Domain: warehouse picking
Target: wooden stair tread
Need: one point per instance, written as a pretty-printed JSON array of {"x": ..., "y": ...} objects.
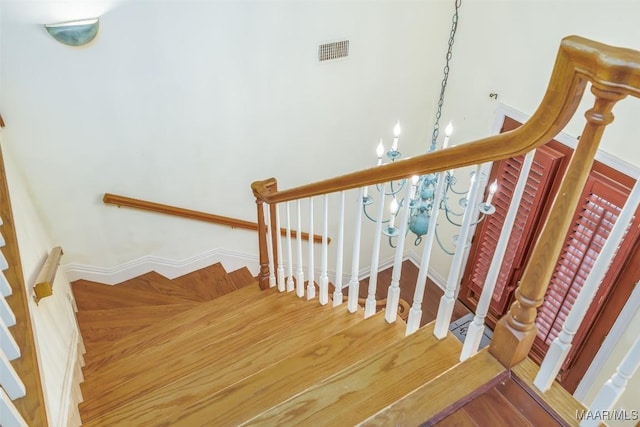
[
  {"x": 106, "y": 326},
  {"x": 199, "y": 336},
  {"x": 211, "y": 369},
  {"x": 369, "y": 386},
  {"x": 209, "y": 283},
  {"x": 432, "y": 398},
  {"x": 103, "y": 354},
  {"x": 242, "y": 277},
  {"x": 97, "y": 296},
  {"x": 156, "y": 282},
  {"x": 237, "y": 403}
]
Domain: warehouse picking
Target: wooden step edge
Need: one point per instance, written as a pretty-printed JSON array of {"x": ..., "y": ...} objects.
[
  {"x": 376, "y": 382},
  {"x": 556, "y": 400},
  {"x": 444, "y": 394}
]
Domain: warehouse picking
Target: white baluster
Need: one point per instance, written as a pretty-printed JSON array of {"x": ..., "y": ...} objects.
[
  {"x": 5, "y": 287},
  {"x": 354, "y": 283},
  {"x": 6, "y": 314},
  {"x": 559, "y": 348},
  {"x": 280, "y": 278},
  {"x": 9, "y": 415},
  {"x": 476, "y": 327},
  {"x": 272, "y": 264},
  {"x": 337, "y": 293},
  {"x": 448, "y": 300},
  {"x": 323, "y": 281},
  {"x": 609, "y": 394},
  {"x": 393, "y": 294},
  {"x": 300, "y": 273},
  {"x": 370, "y": 304},
  {"x": 9, "y": 379},
  {"x": 8, "y": 344},
  {"x": 290, "y": 280},
  {"x": 415, "y": 313},
  {"x": 311, "y": 288}
]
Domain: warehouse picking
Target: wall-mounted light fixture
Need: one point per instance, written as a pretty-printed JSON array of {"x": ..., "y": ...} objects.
[{"x": 74, "y": 33}]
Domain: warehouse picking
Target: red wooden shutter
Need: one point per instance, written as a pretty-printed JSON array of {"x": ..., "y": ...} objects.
[
  {"x": 543, "y": 171},
  {"x": 602, "y": 200}
]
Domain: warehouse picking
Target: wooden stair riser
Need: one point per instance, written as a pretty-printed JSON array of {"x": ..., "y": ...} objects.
[
  {"x": 209, "y": 282},
  {"x": 154, "y": 335},
  {"x": 242, "y": 277},
  {"x": 158, "y": 284},
  {"x": 290, "y": 376},
  {"x": 371, "y": 385},
  {"x": 96, "y": 296},
  {"x": 199, "y": 338},
  {"x": 240, "y": 357}
]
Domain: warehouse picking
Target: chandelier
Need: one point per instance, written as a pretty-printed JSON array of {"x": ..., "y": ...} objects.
[{"x": 430, "y": 191}]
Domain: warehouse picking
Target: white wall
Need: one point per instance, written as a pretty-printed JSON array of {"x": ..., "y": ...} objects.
[
  {"x": 53, "y": 319},
  {"x": 186, "y": 103}
]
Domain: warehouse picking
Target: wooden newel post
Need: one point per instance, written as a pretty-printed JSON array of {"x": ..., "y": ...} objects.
[
  {"x": 260, "y": 190},
  {"x": 515, "y": 332}
]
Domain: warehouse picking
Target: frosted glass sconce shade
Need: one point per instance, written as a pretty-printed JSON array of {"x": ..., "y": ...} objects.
[{"x": 74, "y": 33}]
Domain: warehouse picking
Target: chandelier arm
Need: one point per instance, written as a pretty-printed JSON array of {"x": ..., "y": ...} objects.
[
  {"x": 440, "y": 243},
  {"x": 391, "y": 243},
  {"x": 459, "y": 193},
  {"x": 446, "y": 214},
  {"x": 364, "y": 209}
]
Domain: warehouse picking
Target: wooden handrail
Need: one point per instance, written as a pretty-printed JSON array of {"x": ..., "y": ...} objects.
[
  {"x": 191, "y": 214},
  {"x": 44, "y": 281},
  {"x": 614, "y": 73}
]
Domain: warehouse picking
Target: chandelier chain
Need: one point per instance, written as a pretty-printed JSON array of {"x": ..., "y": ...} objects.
[{"x": 445, "y": 77}]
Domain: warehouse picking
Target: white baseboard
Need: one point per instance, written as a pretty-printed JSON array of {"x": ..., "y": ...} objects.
[{"x": 231, "y": 260}]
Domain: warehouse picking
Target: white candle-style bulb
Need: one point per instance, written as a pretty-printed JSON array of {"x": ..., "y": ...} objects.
[
  {"x": 447, "y": 134},
  {"x": 448, "y": 130},
  {"x": 492, "y": 190},
  {"x": 396, "y": 134},
  {"x": 365, "y": 193},
  {"x": 394, "y": 211},
  {"x": 380, "y": 152}
]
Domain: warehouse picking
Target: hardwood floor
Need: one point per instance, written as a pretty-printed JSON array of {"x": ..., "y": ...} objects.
[
  {"x": 505, "y": 404},
  {"x": 408, "y": 279}
]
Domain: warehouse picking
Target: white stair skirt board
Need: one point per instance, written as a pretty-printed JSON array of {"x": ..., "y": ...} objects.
[
  {"x": 231, "y": 260},
  {"x": 459, "y": 329}
]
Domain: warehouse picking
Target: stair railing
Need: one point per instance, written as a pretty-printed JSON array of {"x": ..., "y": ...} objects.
[
  {"x": 614, "y": 73},
  {"x": 21, "y": 394}
]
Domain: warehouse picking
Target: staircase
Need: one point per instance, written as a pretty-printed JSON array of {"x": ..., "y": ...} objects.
[{"x": 211, "y": 348}]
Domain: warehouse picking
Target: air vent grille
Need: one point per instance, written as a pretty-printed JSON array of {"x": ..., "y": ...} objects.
[{"x": 333, "y": 50}]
